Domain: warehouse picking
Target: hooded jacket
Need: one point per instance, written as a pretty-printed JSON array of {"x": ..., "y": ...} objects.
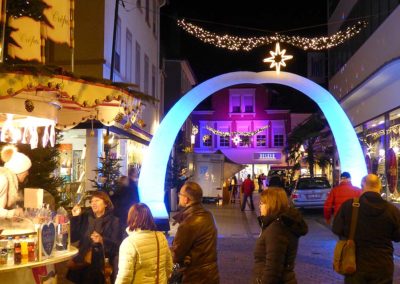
[
  {"x": 196, "y": 240},
  {"x": 378, "y": 225},
  {"x": 276, "y": 248},
  {"x": 138, "y": 258}
]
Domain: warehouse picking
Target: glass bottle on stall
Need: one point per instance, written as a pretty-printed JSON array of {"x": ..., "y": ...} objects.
[
  {"x": 17, "y": 251},
  {"x": 31, "y": 249},
  {"x": 10, "y": 250},
  {"x": 24, "y": 250}
]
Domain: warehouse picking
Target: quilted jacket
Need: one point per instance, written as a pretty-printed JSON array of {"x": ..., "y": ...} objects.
[{"x": 138, "y": 258}]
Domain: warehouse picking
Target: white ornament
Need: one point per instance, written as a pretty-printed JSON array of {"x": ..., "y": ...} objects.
[{"x": 278, "y": 58}]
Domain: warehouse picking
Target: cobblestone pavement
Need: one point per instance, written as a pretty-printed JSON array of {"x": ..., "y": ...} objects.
[{"x": 238, "y": 232}]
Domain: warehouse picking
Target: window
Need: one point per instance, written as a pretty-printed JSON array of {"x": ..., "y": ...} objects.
[
  {"x": 153, "y": 81},
  {"x": 154, "y": 18},
  {"x": 117, "y": 55},
  {"x": 207, "y": 140},
  {"x": 148, "y": 12},
  {"x": 235, "y": 102},
  {"x": 241, "y": 100},
  {"x": 246, "y": 141},
  {"x": 248, "y": 103},
  {"x": 278, "y": 140},
  {"x": 146, "y": 74},
  {"x": 261, "y": 140},
  {"x": 224, "y": 141},
  {"x": 128, "y": 63},
  {"x": 137, "y": 65}
]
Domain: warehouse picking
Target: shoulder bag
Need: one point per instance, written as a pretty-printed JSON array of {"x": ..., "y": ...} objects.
[{"x": 344, "y": 258}]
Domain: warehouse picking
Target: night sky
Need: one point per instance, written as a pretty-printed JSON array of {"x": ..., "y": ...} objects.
[{"x": 243, "y": 18}]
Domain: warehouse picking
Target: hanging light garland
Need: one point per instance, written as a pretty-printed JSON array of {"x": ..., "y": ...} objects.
[
  {"x": 237, "y": 43},
  {"x": 235, "y": 133}
]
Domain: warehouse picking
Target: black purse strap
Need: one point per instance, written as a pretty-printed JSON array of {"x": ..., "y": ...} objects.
[
  {"x": 354, "y": 216},
  {"x": 158, "y": 260}
]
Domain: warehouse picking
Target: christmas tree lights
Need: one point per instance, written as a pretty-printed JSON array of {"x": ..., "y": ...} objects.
[{"x": 237, "y": 43}]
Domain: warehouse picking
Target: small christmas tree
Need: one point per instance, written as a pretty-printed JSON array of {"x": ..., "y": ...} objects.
[{"x": 108, "y": 174}]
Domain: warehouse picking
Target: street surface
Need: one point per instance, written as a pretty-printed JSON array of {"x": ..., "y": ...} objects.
[{"x": 238, "y": 232}]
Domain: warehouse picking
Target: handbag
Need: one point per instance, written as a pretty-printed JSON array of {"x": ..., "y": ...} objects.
[
  {"x": 344, "y": 257},
  {"x": 176, "y": 275}
]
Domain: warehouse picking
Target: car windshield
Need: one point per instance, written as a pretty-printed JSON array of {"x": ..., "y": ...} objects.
[{"x": 313, "y": 183}]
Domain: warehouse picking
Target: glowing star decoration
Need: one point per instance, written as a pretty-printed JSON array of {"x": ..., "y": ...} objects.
[
  {"x": 278, "y": 58},
  {"x": 236, "y": 139}
]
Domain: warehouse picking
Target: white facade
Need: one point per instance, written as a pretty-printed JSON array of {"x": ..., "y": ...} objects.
[{"x": 367, "y": 85}]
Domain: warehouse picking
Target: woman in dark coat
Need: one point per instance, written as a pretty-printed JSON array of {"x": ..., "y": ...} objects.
[
  {"x": 96, "y": 230},
  {"x": 276, "y": 248}
]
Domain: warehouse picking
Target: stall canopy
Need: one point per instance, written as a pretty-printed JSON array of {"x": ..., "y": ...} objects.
[
  {"x": 32, "y": 100},
  {"x": 230, "y": 167}
]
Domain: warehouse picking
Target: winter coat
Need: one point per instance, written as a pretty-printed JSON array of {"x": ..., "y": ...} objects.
[
  {"x": 196, "y": 240},
  {"x": 276, "y": 248},
  {"x": 138, "y": 258},
  {"x": 8, "y": 192},
  {"x": 378, "y": 225},
  {"x": 122, "y": 200},
  {"x": 82, "y": 227},
  {"x": 339, "y": 194},
  {"x": 248, "y": 186}
]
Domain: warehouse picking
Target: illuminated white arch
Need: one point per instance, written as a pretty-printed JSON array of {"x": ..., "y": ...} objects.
[{"x": 152, "y": 175}]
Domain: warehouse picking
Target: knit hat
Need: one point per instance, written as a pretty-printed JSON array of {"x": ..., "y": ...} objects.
[
  {"x": 14, "y": 160},
  {"x": 345, "y": 175}
]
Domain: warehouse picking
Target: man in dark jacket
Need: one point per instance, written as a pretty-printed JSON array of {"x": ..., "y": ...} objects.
[
  {"x": 195, "y": 242},
  {"x": 378, "y": 225}
]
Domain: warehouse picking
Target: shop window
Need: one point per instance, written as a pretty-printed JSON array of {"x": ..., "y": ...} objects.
[
  {"x": 224, "y": 141},
  {"x": 278, "y": 140},
  {"x": 261, "y": 140},
  {"x": 245, "y": 141}
]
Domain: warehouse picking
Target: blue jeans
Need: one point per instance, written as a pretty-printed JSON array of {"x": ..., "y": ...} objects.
[{"x": 245, "y": 196}]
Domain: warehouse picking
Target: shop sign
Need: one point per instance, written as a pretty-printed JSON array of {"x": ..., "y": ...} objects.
[{"x": 267, "y": 156}]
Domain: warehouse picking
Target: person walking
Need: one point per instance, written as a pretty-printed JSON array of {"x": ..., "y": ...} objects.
[
  {"x": 247, "y": 190},
  {"x": 377, "y": 226},
  {"x": 276, "y": 248},
  {"x": 195, "y": 243},
  {"x": 144, "y": 256},
  {"x": 339, "y": 194}
]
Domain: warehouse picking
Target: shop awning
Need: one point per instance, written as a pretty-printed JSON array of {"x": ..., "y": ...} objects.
[{"x": 66, "y": 101}]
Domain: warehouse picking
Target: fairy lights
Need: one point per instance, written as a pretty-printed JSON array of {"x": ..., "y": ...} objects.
[
  {"x": 237, "y": 43},
  {"x": 235, "y": 133},
  {"x": 278, "y": 58}
]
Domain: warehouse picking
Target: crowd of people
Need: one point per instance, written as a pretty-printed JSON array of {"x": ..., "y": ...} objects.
[{"x": 119, "y": 242}]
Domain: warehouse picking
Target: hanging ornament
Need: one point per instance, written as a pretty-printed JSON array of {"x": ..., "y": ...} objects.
[
  {"x": 118, "y": 118},
  {"x": 91, "y": 134},
  {"x": 206, "y": 138},
  {"x": 277, "y": 58},
  {"x": 46, "y": 136},
  {"x": 29, "y": 106},
  {"x": 127, "y": 125},
  {"x": 141, "y": 123},
  {"x": 236, "y": 140},
  {"x": 195, "y": 129}
]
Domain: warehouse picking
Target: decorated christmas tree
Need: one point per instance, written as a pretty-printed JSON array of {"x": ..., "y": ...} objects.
[{"x": 108, "y": 174}]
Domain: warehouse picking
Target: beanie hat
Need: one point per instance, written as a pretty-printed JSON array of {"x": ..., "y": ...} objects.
[
  {"x": 14, "y": 160},
  {"x": 345, "y": 175}
]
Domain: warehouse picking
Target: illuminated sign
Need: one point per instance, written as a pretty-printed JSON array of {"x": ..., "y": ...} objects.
[{"x": 267, "y": 156}]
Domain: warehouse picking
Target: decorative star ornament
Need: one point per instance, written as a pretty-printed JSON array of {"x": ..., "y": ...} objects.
[
  {"x": 236, "y": 139},
  {"x": 278, "y": 58}
]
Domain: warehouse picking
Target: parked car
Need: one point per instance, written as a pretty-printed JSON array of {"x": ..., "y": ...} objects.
[{"x": 310, "y": 192}]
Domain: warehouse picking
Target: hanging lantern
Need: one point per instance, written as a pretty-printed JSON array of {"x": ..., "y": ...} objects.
[{"x": 29, "y": 106}]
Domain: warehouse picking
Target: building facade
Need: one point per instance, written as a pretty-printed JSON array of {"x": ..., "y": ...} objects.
[
  {"x": 363, "y": 76},
  {"x": 136, "y": 62}
]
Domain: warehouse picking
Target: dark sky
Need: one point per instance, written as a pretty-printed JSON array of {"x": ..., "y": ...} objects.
[{"x": 242, "y": 18}]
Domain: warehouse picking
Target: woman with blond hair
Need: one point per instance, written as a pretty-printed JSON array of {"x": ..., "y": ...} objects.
[
  {"x": 144, "y": 256},
  {"x": 276, "y": 248}
]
